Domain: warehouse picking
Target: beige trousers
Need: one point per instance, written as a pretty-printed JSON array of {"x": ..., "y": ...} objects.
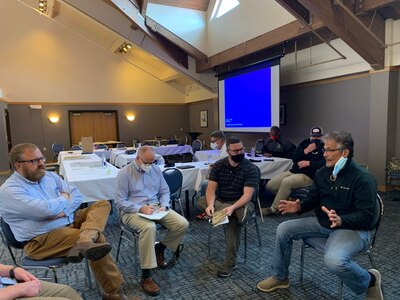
[
  {"x": 176, "y": 228},
  {"x": 282, "y": 184},
  {"x": 58, "y": 242},
  {"x": 54, "y": 291}
]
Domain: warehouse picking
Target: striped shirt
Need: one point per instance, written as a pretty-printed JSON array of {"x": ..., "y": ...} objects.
[{"x": 232, "y": 180}]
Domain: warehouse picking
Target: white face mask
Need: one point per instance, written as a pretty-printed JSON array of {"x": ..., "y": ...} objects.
[
  {"x": 213, "y": 146},
  {"x": 339, "y": 165},
  {"x": 145, "y": 168}
]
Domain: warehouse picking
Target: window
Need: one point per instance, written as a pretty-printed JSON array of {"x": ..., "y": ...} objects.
[{"x": 222, "y": 7}]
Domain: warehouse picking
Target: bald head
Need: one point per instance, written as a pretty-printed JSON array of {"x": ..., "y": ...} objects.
[{"x": 145, "y": 155}]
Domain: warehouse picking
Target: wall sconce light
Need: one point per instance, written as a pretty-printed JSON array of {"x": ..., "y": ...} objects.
[
  {"x": 130, "y": 117},
  {"x": 124, "y": 48},
  {"x": 54, "y": 119},
  {"x": 42, "y": 6}
]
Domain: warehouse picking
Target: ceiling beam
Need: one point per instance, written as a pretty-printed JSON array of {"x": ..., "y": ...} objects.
[
  {"x": 262, "y": 42},
  {"x": 362, "y": 6},
  {"x": 143, "y": 10},
  {"x": 296, "y": 9},
  {"x": 345, "y": 25},
  {"x": 176, "y": 40},
  {"x": 191, "y": 4},
  {"x": 131, "y": 11}
]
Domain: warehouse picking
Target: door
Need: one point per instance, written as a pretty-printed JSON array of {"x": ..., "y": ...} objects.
[{"x": 102, "y": 126}]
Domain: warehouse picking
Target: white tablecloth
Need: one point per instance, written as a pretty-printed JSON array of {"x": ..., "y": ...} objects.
[
  {"x": 270, "y": 167},
  {"x": 120, "y": 159},
  {"x": 85, "y": 172},
  {"x": 207, "y": 155},
  {"x": 173, "y": 149},
  {"x": 192, "y": 177}
]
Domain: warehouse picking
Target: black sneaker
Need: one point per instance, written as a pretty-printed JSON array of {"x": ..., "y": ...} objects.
[{"x": 225, "y": 271}]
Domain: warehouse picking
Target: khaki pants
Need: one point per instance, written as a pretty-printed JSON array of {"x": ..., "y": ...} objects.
[
  {"x": 282, "y": 184},
  {"x": 58, "y": 242},
  {"x": 176, "y": 228},
  {"x": 233, "y": 228},
  {"x": 53, "y": 291}
]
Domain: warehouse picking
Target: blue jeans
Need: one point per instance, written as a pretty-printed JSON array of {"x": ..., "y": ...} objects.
[{"x": 340, "y": 247}]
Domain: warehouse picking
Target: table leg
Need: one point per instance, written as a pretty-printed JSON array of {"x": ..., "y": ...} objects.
[{"x": 187, "y": 205}]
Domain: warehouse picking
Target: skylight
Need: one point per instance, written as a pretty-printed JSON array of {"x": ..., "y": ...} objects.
[{"x": 222, "y": 7}]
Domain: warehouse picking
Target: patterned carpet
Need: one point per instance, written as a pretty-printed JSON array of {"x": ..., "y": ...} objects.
[{"x": 194, "y": 275}]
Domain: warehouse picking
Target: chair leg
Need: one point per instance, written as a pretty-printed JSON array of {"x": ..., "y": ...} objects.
[
  {"x": 135, "y": 252},
  {"x": 340, "y": 290},
  {"x": 89, "y": 277},
  {"x": 258, "y": 231},
  {"x": 245, "y": 242},
  {"x": 54, "y": 274},
  {"x": 194, "y": 195},
  {"x": 303, "y": 246},
  {"x": 209, "y": 239},
  {"x": 119, "y": 244},
  {"x": 180, "y": 204}
]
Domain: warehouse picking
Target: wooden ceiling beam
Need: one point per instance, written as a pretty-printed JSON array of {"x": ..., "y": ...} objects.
[
  {"x": 191, "y": 4},
  {"x": 362, "y": 6},
  {"x": 345, "y": 25},
  {"x": 262, "y": 42},
  {"x": 132, "y": 12},
  {"x": 296, "y": 9},
  {"x": 143, "y": 9},
  {"x": 176, "y": 40}
]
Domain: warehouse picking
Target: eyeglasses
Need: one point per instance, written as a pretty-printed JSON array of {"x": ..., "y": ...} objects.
[
  {"x": 236, "y": 150},
  {"x": 331, "y": 150},
  {"x": 213, "y": 141},
  {"x": 34, "y": 161},
  {"x": 146, "y": 163}
]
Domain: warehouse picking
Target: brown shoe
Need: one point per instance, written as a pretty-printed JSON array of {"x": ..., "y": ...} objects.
[
  {"x": 119, "y": 296},
  {"x": 149, "y": 286},
  {"x": 161, "y": 262},
  {"x": 89, "y": 250}
]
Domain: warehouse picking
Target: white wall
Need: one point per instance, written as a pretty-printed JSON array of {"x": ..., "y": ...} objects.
[
  {"x": 44, "y": 62},
  {"x": 251, "y": 18},
  {"x": 188, "y": 24},
  {"x": 303, "y": 72}
]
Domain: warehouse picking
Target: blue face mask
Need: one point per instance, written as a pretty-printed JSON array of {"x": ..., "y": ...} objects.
[{"x": 339, "y": 165}]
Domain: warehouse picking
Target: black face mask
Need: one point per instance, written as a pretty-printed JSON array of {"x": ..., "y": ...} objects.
[
  {"x": 317, "y": 142},
  {"x": 238, "y": 158}
]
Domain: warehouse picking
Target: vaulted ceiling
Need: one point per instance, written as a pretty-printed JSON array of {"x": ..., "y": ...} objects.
[{"x": 359, "y": 23}]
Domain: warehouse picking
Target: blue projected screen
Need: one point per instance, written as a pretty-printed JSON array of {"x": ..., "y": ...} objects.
[{"x": 249, "y": 99}]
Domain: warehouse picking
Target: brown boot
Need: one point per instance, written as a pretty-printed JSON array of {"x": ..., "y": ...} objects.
[
  {"x": 119, "y": 295},
  {"x": 88, "y": 250},
  {"x": 149, "y": 286},
  {"x": 161, "y": 262}
]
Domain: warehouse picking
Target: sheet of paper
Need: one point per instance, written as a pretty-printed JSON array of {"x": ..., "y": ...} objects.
[
  {"x": 219, "y": 218},
  {"x": 155, "y": 216},
  {"x": 222, "y": 221}
]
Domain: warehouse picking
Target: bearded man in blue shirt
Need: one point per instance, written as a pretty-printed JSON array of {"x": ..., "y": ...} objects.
[{"x": 42, "y": 212}]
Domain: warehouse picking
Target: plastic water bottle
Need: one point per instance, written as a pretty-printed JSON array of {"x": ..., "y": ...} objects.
[
  {"x": 253, "y": 152},
  {"x": 103, "y": 161}
]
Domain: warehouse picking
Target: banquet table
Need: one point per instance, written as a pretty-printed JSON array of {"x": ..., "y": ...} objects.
[
  {"x": 270, "y": 167},
  {"x": 173, "y": 149},
  {"x": 207, "y": 155},
  {"x": 86, "y": 172},
  {"x": 119, "y": 158}
]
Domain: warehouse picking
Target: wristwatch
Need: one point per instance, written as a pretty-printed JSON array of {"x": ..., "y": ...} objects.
[{"x": 12, "y": 275}]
